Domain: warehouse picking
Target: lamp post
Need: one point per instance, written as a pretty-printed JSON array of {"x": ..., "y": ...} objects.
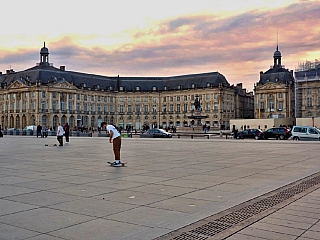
[{"x": 159, "y": 109}]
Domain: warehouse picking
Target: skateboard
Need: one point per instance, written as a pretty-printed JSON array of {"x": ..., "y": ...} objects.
[
  {"x": 122, "y": 164},
  {"x": 47, "y": 145}
]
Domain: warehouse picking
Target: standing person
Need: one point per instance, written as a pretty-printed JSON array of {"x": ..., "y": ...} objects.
[
  {"x": 44, "y": 131},
  {"x": 39, "y": 128},
  {"x": 60, "y": 133},
  {"x": 115, "y": 139},
  {"x": 66, "y": 129}
]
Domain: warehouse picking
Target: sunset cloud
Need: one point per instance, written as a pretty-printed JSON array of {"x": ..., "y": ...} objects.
[{"x": 237, "y": 46}]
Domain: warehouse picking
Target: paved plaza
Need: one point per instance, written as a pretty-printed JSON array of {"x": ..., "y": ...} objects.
[{"x": 70, "y": 192}]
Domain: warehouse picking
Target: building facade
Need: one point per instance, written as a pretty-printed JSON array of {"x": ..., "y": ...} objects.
[
  {"x": 48, "y": 95},
  {"x": 307, "y": 90},
  {"x": 274, "y": 95}
]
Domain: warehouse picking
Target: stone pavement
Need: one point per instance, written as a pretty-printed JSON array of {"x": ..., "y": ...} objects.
[{"x": 70, "y": 192}]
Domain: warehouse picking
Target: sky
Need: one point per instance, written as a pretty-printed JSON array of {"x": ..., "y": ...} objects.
[{"x": 236, "y": 38}]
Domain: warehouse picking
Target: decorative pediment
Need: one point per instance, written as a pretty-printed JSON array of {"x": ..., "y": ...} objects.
[
  {"x": 64, "y": 84},
  {"x": 16, "y": 84},
  {"x": 270, "y": 86}
]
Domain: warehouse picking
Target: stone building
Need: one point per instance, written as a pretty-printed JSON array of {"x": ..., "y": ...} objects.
[
  {"x": 307, "y": 90},
  {"x": 44, "y": 94},
  {"x": 274, "y": 95}
]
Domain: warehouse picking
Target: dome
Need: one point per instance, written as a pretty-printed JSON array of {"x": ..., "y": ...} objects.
[
  {"x": 277, "y": 53},
  {"x": 44, "y": 50}
]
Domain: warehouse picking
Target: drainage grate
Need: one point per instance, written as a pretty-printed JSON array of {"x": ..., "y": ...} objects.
[{"x": 241, "y": 214}]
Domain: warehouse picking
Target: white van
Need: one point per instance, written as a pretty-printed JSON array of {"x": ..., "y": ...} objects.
[
  {"x": 31, "y": 127},
  {"x": 305, "y": 133}
]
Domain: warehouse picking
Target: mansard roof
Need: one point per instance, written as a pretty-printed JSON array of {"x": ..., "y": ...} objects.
[
  {"x": 48, "y": 74},
  {"x": 276, "y": 75}
]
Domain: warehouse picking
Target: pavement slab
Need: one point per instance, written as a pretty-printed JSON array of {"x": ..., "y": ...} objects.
[{"x": 70, "y": 192}]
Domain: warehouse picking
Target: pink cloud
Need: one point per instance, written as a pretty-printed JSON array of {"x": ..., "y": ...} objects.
[{"x": 239, "y": 46}]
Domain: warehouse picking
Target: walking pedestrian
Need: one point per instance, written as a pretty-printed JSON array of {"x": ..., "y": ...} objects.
[
  {"x": 66, "y": 129},
  {"x": 115, "y": 139},
  {"x": 60, "y": 133}
]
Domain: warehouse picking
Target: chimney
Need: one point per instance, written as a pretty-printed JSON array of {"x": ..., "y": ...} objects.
[
  {"x": 8, "y": 71},
  {"x": 62, "y": 68}
]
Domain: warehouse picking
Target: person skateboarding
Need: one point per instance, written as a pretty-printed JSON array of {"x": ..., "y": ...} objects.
[
  {"x": 115, "y": 139},
  {"x": 60, "y": 133}
]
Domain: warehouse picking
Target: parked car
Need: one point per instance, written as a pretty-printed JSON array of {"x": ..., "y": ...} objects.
[
  {"x": 31, "y": 127},
  {"x": 305, "y": 133},
  {"x": 277, "y": 133},
  {"x": 156, "y": 133},
  {"x": 13, "y": 129},
  {"x": 251, "y": 133}
]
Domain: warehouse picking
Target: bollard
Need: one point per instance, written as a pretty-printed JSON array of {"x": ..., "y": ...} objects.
[
  {"x": 226, "y": 136},
  {"x": 220, "y": 133},
  {"x": 178, "y": 135},
  {"x": 191, "y": 136}
]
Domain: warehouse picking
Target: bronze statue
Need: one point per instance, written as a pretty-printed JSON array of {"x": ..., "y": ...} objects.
[{"x": 197, "y": 104}]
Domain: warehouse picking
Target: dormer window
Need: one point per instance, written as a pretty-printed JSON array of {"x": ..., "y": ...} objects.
[
  {"x": 179, "y": 87},
  {"x": 121, "y": 88},
  {"x": 208, "y": 84},
  {"x": 110, "y": 88},
  {"x": 193, "y": 85},
  {"x": 137, "y": 88},
  {"x": 154, "y": 88},
  {"x": 98, "y": 87},
  {"x": 84, "y": 85}
]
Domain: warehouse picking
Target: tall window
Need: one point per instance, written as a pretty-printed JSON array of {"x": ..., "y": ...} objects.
[
  {"x": 164, "y": 108},
  {"x": 308, "y": 90},
  {"x": 129, "y": 108},
  {"x": 171, "y": 107},
  {"x": 43, "y": 105},
  {"x": 70, "y": 106},
  {"x": 271, "y": 105},
  {"x": 138, "y": 108},
  {"x": 146, "y": 108},
  {"x": 216, "y": 106},
  {"x": 54, "y": 105},
  {"x": 207, "y": 106},
  {"x": 309, "y": 101},
  {"x": 121, "y": 108},
  {"x": 280, "y": 107},
  {"x": 178, "y": 108},
  {"x": 185, "y": 107},
  {"x": 62, "y": 105}
]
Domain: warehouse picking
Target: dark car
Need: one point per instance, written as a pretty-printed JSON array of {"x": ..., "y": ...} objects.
[
  {"x": 251, "y": 133},
  {"x": 156, "y": 133},
  {"x": 277, "y": 133}
]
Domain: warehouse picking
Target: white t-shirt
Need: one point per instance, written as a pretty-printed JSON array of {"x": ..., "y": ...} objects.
[
  {"x": 114, "y": 130},
  {"x": 60, "y": 131}
]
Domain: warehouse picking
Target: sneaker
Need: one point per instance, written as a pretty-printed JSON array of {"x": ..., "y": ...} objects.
[{"x": 116, "y": 163}]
